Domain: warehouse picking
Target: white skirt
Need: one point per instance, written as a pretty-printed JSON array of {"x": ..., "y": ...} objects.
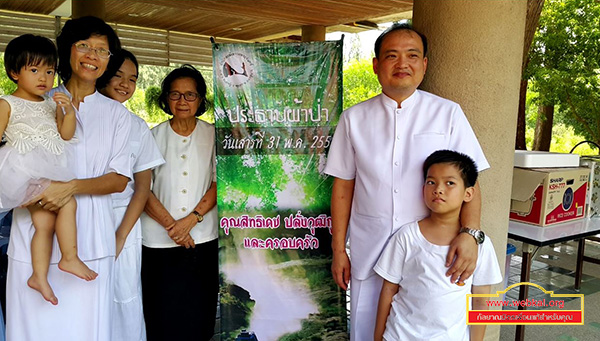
[
  {"x": 82, "y": 313},
  {"x": 24, "y": 176},
  {"x": 128, "y": 314}
]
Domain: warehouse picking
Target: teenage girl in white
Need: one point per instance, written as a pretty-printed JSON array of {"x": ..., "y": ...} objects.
[{"x": 36, "y": 128}]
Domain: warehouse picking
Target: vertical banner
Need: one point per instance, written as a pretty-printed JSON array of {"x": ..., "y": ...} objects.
[{"x": 276, "y": 107}]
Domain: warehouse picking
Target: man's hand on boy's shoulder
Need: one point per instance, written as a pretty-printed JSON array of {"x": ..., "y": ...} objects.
[{"x": 461, "y": 258}]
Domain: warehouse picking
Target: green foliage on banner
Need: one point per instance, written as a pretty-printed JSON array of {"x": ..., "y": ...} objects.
[
  {"x": 242, "y": 180},
  {"x": 238, "y": 303}
]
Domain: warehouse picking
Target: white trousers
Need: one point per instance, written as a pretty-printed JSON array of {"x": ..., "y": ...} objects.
[{"x": 364, "y": 297}]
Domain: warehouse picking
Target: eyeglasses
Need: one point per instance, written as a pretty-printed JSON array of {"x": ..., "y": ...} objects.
[
  {"x": 100, "y": 52},
  {"x": 188, "y": 96}
]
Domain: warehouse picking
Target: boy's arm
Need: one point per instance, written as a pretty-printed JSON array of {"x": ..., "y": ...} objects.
[
  {"x": 479, "y": 303},
  {"x": 65, "y": 115},
  {"x": 388, "y": 290},
  {"x": 463, "y": 249}
]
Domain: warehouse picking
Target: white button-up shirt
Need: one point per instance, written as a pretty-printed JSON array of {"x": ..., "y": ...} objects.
[
  {"x": 182, "y": 181},
  {"x": 383, "y": 147}
]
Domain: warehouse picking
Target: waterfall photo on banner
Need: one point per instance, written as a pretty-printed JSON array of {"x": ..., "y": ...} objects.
[{"x": 276, "y": 108}]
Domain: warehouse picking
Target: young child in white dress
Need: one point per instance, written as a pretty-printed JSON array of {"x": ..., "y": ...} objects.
[
  {"x": 36, "y": 128},
  {"x": 417, "y": 301}
]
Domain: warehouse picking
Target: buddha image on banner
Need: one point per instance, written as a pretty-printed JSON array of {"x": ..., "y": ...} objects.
[{"x": 276, "y": 108}]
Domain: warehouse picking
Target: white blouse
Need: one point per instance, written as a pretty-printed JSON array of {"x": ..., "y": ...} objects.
[{"x": 182, "y": 181}]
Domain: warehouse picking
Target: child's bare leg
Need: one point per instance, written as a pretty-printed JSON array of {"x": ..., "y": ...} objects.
[
  {"x": 66, "y": 233},
  {"x": 41, "y": 250}
]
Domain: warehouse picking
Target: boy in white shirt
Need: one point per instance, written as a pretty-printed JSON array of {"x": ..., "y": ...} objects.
[{"x": 417, "y": 302}]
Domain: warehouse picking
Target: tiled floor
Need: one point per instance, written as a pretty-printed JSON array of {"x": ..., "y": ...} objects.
[{"x": 553, "y": 268}]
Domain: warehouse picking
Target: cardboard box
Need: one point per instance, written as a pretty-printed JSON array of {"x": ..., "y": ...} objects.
[
  {"x": 546, "y": 196},
  {"x": 593, "y": 193}
]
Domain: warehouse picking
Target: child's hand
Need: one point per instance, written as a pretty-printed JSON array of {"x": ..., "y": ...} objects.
[
  {"x": 63, "y": 101},
  {"x": 120, "y": 245}
]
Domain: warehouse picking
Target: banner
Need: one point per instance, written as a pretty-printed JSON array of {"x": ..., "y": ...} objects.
[{"x": 276, "y": 107}]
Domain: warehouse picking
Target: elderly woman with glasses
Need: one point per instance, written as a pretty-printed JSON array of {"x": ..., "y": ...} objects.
[
  {"x": 100, "y": 160},
  {"x": 179, "y": 227}
]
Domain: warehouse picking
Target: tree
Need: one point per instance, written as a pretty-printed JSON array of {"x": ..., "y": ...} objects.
[
  {"x": 352, "y": 48},
  {"x": 534, "y": 9},
  {"x": 564, "y": 68},
  {"x": 152, "y": 75},
  {"x": 360, "y": 82},
  {"x": 7, "y": 86}
]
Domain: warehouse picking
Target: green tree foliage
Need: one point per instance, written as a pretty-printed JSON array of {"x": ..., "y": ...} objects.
[
  {"x": 360, "y": 82},
  {"x": 564, "y": 137},
  {"x": 564, "y": 65},
  {"x": 352, "y": 47},
  {"x": 152, "y": 75},
  {"x": 137, "y": 105},
  {"x": 7, "y": 86}
]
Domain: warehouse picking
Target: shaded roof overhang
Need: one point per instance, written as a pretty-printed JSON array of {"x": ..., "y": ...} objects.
[{"x": 167, "y": 31}]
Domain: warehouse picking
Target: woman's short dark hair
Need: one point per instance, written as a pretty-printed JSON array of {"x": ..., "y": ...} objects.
[
  {"x": 184, "y": 71},
  {"x": 28, "y": 50},
  {"x": 118, "y": 60},
  {"x": 81, "y": 29}
]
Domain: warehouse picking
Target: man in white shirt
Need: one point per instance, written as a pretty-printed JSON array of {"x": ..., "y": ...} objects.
[{"x": 376, "y": 155}]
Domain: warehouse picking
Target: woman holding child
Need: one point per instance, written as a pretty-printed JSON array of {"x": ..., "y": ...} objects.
[{"x": 101, "y": 163}]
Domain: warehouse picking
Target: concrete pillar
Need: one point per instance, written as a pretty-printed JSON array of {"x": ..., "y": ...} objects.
[
  {"x": 82, "y": 8},
  {"x": 313, "y": 33},
  {"x": 475, "y": 55}
]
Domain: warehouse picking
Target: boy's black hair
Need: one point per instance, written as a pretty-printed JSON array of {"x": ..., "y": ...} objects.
[
  {"x": 118, "y": 59},
  {"x": 28, "y": 50},
  {"x": 184, "y": 71},
  {"x": 395, "y": 27},
  {"x": 81, "y": 29},
  {"x": 466, "y": 165}
]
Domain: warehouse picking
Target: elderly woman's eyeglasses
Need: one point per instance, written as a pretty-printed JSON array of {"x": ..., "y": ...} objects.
[
  {"x": 188, "y": 96},
  {"x": 100, "y": 52}
]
